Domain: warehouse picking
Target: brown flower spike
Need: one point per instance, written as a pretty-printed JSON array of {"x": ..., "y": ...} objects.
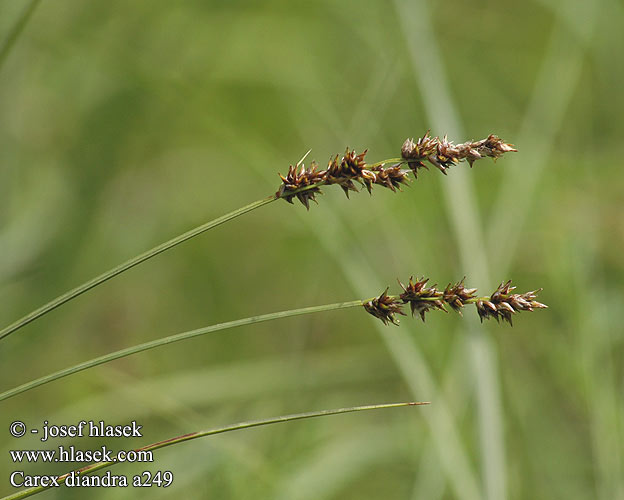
[
  {"x": 421, "y": 298},
  {"x": 296, "y": 183},
  {"x": 343, "y": 172},
  {"x": 385, "y": 307},
  {"x": 304, "y": 183},
  {"x": 456, "y": 296},
  {"x": 443, "y": 154},
  {"x": 502, "y": 304}
]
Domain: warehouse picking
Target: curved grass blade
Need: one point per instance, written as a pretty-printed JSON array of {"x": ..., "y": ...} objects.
[
  {"x": 171, "y": 339},
  {"x": 79, "y": 290},
  {"x": 16, "y": 31}
]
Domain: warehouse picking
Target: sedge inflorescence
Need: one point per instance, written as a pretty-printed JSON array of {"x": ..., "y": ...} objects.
[
  {"x": 443, "y": 154},
  {"x": 304, "y": 183},
  {"x": 500, "y": 305}
]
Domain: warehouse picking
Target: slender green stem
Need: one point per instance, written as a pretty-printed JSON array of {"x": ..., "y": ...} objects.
[
  {"x": 89, "y": 469},
  {"x": 170, "y": 340},
  {"x": 472, "y": 300},
  {"x": 195, "y": 333},
  {"x": 79, "y": 290}
]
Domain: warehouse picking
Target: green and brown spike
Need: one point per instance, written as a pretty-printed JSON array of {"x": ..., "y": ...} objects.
[
  {"x": 502, "y": 304},
  {"x": 305, "y": 183}
]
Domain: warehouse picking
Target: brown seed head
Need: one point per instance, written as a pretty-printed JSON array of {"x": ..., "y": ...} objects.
[
  {"x": 416, "y": 152},
  {"x": 502, "y": 304},
  {"x": 493, "y": 146},
  {"x": 457, "y": 295},
  {"x": 385, "y": 307},
  {"x": 350, "y": 166},
  {"x": 421, "y": 149},
  {"x": 304, "y": 183},
  {"x": 344, "y": 171},
  {"x": 446, "y": 155},
  {"x": 390, "y": 177},
  {"x": 443, "y": 154},
  {"x": 421, "y": 298},
  {"x": 299, "y": 179}
]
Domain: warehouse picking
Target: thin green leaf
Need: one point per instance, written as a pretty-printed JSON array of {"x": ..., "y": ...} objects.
[
  {"x": 79, "y": 290},
  {"x": 171, "y": 339}
]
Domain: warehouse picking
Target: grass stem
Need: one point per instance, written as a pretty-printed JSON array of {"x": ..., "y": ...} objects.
[
  {"x": 170, "y": 340},
  {"x": 98, "y": 280}
]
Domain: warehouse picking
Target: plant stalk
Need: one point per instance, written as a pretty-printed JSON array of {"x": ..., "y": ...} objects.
[
  {"x": 79, "y": 290},
  {"x": 170, "y": 340}
]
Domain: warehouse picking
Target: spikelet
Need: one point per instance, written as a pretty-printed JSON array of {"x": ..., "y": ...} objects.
[
  {"x": 457, "y": 295},
  {"x": 502, "y": 304},
  {"x": 302, "y": 184},
  {"x": 385, "y": 307},
  {"x": 443, "y": 154},
  {"x": 421, "y": 298}
]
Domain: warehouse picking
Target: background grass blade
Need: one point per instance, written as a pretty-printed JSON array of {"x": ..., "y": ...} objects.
[
  {"x": 422, "y": 45},
  {"x": 11, "y": 39},
  {"x": 545, "y": 113}
]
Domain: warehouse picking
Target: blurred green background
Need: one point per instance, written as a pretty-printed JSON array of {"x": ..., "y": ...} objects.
[{"x": 123, "y": 124}]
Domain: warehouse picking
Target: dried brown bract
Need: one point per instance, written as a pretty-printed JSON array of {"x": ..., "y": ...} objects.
[
  {"x": 390, "y": 177},
  {"x": 349, "y": 168},
  {"x": 446, "y": 155},
  {"x": 296, "y": 181},
  {"x": 457, "y": 295},
  {"x": 502, "y": 304},
  {"x": 421, "y": 298},
  {"x": 385, "y": 307},
  {"x": 493, "y": 146},
  {"x": 416, "y": 152}
]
